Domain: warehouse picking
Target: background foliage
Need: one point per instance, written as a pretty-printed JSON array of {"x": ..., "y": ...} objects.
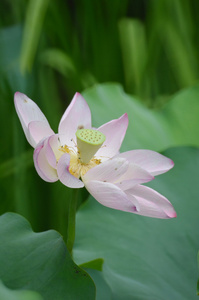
[{"x": 137, "y": 56}]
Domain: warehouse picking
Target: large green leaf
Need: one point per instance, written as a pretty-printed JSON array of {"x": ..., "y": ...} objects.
[
  {"x": 7, "y": 294},
  {"x": 147, "y": 258},
  {"x": 176, "y": 124},
  {"x": 40, "y": 262}
]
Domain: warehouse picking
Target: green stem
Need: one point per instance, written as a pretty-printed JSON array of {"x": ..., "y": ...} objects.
[{"x": 71, "y": 220}]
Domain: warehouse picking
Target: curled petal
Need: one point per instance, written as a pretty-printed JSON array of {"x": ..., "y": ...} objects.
[
  {"x": 153, "y": 162},
  {"x": 44, "y": 169},
  {"x": 114, "y": 131},
  {"x": 64, "y": 175},
  {"x": 77, "y": 115},
  {"x": 28, "y": 111},
  {"x": 150, "y": 203},
  {"x": 109, "y": 170},
  {"x": 110, "y": 195},
  {"x": 52, "y": 152},
  {"x": 38, "y": 130}
]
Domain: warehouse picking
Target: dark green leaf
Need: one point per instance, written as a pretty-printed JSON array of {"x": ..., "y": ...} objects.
[{"x": 40, "y": 262}]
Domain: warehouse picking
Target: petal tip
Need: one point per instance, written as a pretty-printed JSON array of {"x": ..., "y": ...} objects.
[
  {"x": 125, "y": 116},
  {"x": 19, "y": 97},
  {"x": 78, "y": 95},
  {"x": 170, "y": 164},
  {"x": 124, "y": 119},
  {"x": 17, "y": 93},
  {"x": 172, "y": 214}
]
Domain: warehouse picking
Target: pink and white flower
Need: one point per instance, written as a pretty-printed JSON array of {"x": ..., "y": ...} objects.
[{"x": 81, "y": 156}]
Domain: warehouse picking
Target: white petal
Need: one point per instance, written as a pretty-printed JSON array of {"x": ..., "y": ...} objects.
[
  {"x": 77, "y": 115},
  {"x": 52, "y": 153},
  {"x": 39, "y": 130},
  {"x": 28, "y": 111},
  {"x": 110, "y": 195},
  {"x": 151, "y": 203},
  {"x": 153, "y": 162},
  {"x": 44, "y": 169},
  {"x": 134, "y": 175},
  {"x": 64, "y": 175},
  {"x": 110, "y": 170},
  {"x": 114, "y": 131}
]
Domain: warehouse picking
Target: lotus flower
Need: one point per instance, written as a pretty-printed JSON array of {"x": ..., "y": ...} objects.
[{"x": 80, "y": 155}]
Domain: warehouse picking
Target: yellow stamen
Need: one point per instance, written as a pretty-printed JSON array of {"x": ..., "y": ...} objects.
[{"x": 77, "y": 168}]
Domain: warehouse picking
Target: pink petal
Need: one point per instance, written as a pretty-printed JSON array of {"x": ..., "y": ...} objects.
[
  {"x": 151, "y": 161},
  {"x": 134, "y": 175},
  {"x": 64, "y": 175},
  {"x": 114, "y": 131},
  {"x": 52, "y": 152},
  {"x": 38, "y": 130},
  {"x": 77, "y": 115},
  {"x": 109, "y": 170},
  {"x": 44, "y": 169},
  {"x": 151, "y": 203},
  {"x": 28, "y": 111},
  {"x": 110, "y": 195}
]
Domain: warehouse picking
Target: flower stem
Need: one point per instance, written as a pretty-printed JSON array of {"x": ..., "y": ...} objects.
[{"x": 71, "y": 220}]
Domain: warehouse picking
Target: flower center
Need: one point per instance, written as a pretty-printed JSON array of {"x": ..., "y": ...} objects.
[
  {"x": 82, "y": 160},
  {"x": 88, "y": 142}
]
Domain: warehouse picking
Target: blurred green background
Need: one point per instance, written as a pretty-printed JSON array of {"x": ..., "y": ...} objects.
[{"x": 51, "y": 49}]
